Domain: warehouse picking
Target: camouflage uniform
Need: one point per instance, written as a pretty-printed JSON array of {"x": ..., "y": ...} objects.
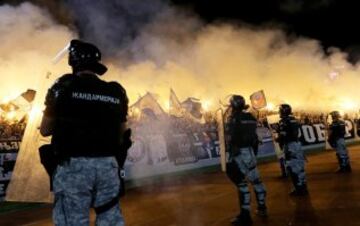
[
  {"x": 241, "y": 142},
  {"x": 79, "y": 184},
  {"x": 337, "y": 141},
  {"x": 86, "y": 117},
  {"x": 294, "y": 155},
  {"x": 295, "y": 162},
  {"x": 88, "y": 175},
  {"x": 246, "y": 162}
]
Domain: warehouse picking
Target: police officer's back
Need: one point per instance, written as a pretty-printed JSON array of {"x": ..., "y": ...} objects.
[
  {"x": 288, "y": 127},
  {"x": 86, "y": 118},
  {"x": 242, "y": 142},
  {"x": 241, "y": 129},
  {"x": 337, "y": 128},
  {"x": 337, "y": 131},
  {"x": 288, "y": 138}
]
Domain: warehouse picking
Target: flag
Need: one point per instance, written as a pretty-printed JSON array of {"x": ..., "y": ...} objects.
[
  {"x": 20, "y": 106},
  {"x": 175, "y": 107},
  {"x": 149, "y": 102},
  {"x": 24, "y": 100},
  {"x": 258, "y": 100},
  {"x": 193, "y": 107}
]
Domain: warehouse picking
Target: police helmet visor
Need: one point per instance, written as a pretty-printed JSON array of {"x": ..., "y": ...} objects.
[{"x": 85, "y": 56}]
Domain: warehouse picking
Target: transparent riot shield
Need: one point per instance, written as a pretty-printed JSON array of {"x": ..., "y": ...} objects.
[
  {"x": 273, "y": 122},
  {"x": 29, "y": 181},
  {"x": 221, "y": 135}
]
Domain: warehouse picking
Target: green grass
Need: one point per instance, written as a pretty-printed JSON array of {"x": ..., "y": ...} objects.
[{"x": 6, "y": 207}]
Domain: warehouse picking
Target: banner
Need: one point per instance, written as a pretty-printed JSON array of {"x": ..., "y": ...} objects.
[
  {"x": 179, "y": 144},
  {"x": 312, "y": 134},
  {"x": 10, "y": 141}
]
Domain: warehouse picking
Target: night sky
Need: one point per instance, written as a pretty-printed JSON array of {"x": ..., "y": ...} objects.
[{"x": 332, "y": 22}]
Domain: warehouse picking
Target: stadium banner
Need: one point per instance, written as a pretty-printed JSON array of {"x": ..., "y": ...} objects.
[
  {"x": 161, "y": 153},
  {"x": 8, "y": 153},
  {"x": 314, "y": 135},
  {"x": 175, "y": 146}
]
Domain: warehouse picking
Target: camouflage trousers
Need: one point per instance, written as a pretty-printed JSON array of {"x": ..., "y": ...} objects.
[
  {"x": 82, "y": 183},
  {"x": 342, "y": 153},
  {"x": 246, "y": 163},
  {"x": 295, "y": 163}
]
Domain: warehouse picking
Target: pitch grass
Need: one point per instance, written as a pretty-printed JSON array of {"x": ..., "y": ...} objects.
[{"x": 6, "y": 207}]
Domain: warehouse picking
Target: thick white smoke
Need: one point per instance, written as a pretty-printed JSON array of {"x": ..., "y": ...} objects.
[
  {"x": 223, "y": 59},
  {"x": 29, "y": 40},
  {"x": 155, "y": 47}
]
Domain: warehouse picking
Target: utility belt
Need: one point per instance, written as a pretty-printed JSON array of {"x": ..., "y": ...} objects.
[
  {"x": 89, "y": 155},
  {"x": 333, "y": 141},
  {"x": 237, "y": 149},
  {"x": 50, "y": 158}
]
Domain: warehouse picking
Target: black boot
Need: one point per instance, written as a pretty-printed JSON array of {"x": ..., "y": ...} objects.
[
  {"x": 243, "y": 219},
  {"x": 262, "y": 211},
  {"x": 344, "y": 164},
  {"x": 260, "y": 199},
  {"x": 299, "y": 191},
  {"x": 340, "y": 169},
  {"x": 348, "y": 168},
  {"x": 284, "y": 174}
]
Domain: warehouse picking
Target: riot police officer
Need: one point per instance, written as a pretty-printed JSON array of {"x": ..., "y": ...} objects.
[
  {"x": 241, "y": 141},
  {"x": 86, "y": 117},
  {"x": 336, "y": 140},
  {"x": 288, "y": 138}
]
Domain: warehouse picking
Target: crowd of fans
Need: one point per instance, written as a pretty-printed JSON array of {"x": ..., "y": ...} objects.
[{"x": 11, "y": 129}]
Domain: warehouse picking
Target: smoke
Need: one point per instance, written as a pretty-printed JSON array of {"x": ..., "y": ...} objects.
[
  {"x": 113, "y": 25},
  {"x": 29, "y": 39},
  {"x": 152, "y": 47},
  {"x": 224, "y": 59}
]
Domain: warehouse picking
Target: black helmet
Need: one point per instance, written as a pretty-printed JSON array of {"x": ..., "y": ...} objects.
[
  {"x": 85, "y": 56},
  {"x": 238, "y": 102},
  {"x": 335, "y": 115},
  {"x": 285, "y": 110}
]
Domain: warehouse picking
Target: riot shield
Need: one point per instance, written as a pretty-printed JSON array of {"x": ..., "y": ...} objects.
[
  {"x": 221, "y": 135},
  {"x": 273, "y": 122},
  {"x": 29, "y": 181}
]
